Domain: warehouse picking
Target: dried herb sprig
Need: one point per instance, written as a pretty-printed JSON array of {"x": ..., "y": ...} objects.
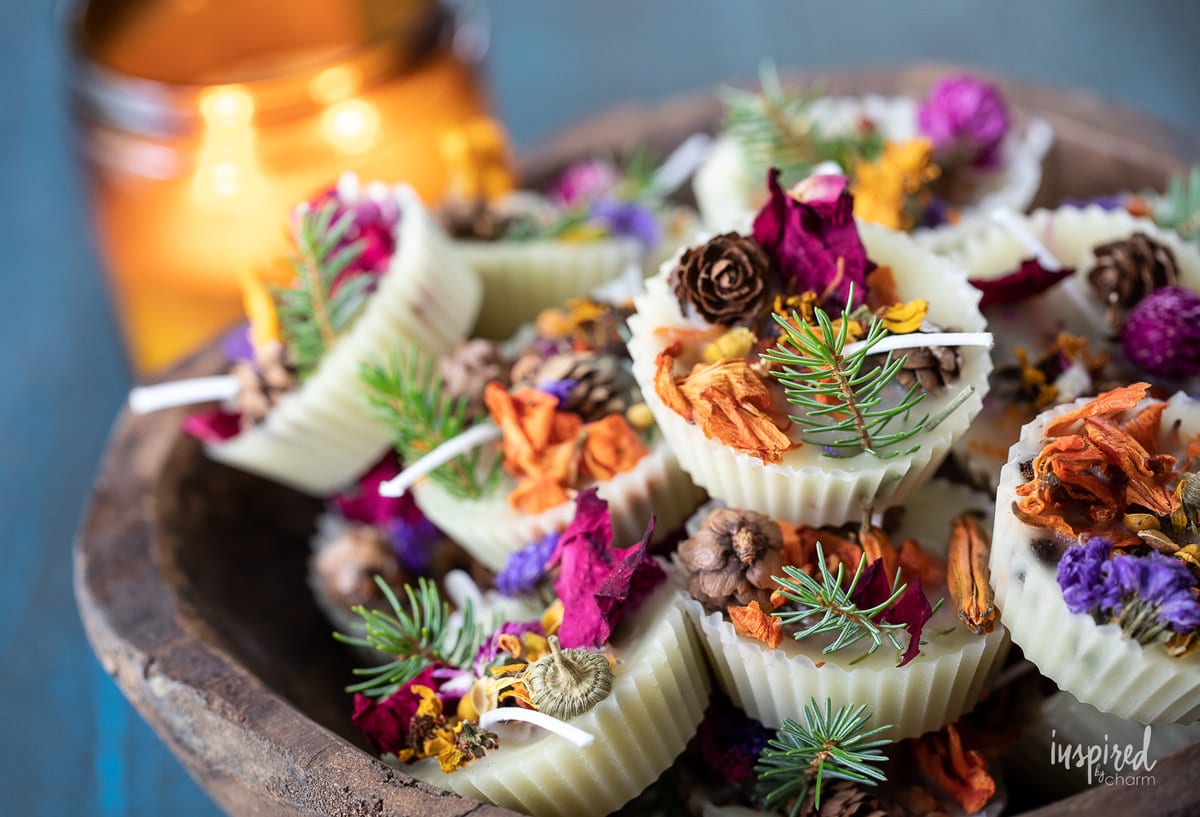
[
  {"x": 829, "y": 745},
  {"x": 838, "y": 397},
  {"x": 416, "y": 637},
  {"x": 824, "y": 605},
  {"x": 408, "y": 394},
  {"x": 773, "y": 129},
  {"x": 1178, "y": 208},
  {"x": 313, "y": 311}
]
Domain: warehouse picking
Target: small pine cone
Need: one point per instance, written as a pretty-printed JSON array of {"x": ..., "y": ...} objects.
[
  {"x": 473, "y": 220},
  {"x": 731, "y": 559},
  {"x": 931, "y": 366},
  {"x": 724, "y": 279},
  {"x": 262, "y": 384},
  {"x": 1130, "y": 269},
  {"x": 469, "y": 368},
  {"x": 843, "y": 798},
  {"x": 601, "y": 383},
  {"x": 346, "y": 568}
]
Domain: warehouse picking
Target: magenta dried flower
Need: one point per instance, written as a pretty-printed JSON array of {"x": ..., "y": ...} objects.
[
  {"x": 1162, "y": 333},
  {"x": 376, "y": 217},
  {"x": 965, "y": 115},
  {"x": 583, "y": 182}
]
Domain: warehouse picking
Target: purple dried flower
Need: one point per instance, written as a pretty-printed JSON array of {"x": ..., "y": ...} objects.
[
  {"x": 627, "y": 219},
  {"x": 1160, "y": 583},
  {"x": 1081, "y": 574},
  {"x": 525, "y": 568},
  {"x": 584, "y": 181},
  {"x": 560, "y": 390},
  {"x": 237, "y": 345},
  {"x": 730, "y": 741},
  {"x": 414, "y": 540},
  {"x": 1162, "y": 333},
  {"x": 1112, "y": 202},
  {"x": 965, "y": 115}
]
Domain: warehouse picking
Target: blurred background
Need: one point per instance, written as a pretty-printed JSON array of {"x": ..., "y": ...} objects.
[{"x": 72, "y": 746}]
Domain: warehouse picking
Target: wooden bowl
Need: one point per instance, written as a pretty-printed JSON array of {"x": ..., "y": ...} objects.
[{"x": 190, "y": 576}]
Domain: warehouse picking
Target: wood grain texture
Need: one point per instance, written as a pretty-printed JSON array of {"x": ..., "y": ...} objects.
[{"x": 190, "y": 576}]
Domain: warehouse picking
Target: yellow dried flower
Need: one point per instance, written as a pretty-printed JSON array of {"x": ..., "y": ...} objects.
[
  {"x": 639, "y": 416},
  {"x": 883, "y": 188},
  {"x": 430, "y": 705},
  {"x": 582, "y": 233},
  {"x": 552, "y": 618},
  {"x": 801, "y": 304},
  {"x": 903, "y": 318},
  {"x": 737, "y": 342},
  {"x": 260, "y": 309}
]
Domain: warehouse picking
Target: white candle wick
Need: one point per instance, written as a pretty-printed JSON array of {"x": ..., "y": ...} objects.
[
  {"x": 439, "y": 456},
  {"x": 917, "y": 340},
  {"x": 681, "y": 164},
  {"x": 145, "y": 399},
  {"x": 561, "y": 728},
  {"x": 1017, "y": 228}
]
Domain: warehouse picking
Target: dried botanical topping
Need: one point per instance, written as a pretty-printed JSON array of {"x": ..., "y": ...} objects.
[
  {"x": 474, "y": 219},
  {"x": 468, "y": 369},
  {"x": 549, "y": 451},
  {"x": 1130, "y": 269},
  {"x": 810, "y": 235},
  {"x": 752, "y": 622},
  {"x": 901, "y": 318},
  {"x": 966, "y": 119},
  {"x": 968, "y": 574},
  {"x": 1064, "y": 371},
  {"x": 587, "y": 323},
  {"x": 347, "y": 566},
  {"x": 567, "y": 683},
  {"x": 593, "y": 386},
  {"x": 1152, "y": 598},
  {"x": 846, "y": 798},
  {"x": 724, "y": 280},
  {"x": 731, "y": 559},
  {"x": 1162, "y": 333},
  {"x": 728, "y": 400},
  {"x": 1028, "y": 280},
  {"x": 893, "y": 189},
  {"x": 933, "y": 367},
  {"x": 958, "y": 771},
  {"x": 261, "y": 385}
]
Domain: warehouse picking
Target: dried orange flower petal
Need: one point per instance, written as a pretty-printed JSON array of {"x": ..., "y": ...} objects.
[
  {"x": 752, "y": 622},
  {"x": 1110, "y": 402}
]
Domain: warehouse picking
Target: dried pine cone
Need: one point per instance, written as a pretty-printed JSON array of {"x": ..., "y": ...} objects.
[
  {"x": 732, "y": 558},
  {"x": 843, "y": 798},
  {"x": 473, "y": 219},
  {"x": 469, "y": 368},
  {"x": 346, "y": 568},
  {"x": 262, "y": 385},
  {"x": 601, "y": 383},
  {"x": 724, "y": 279},
  {"x": 1130, "y": 269},
  {"x": 931, "y": 366}
]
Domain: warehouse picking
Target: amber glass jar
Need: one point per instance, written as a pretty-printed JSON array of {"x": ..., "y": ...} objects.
[{"x": 202, "y": 122}]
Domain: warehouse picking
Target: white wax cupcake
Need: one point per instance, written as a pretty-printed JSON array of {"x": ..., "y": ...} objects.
[
  {"x": 935, "y": 688},
  {"x": 1097, "y": 663},
  {"x": 658, "y": 696},
  {"x": 322, "y": 436},
  {"x": 728, "y": 186},
  {"x": 1073, "y": 306},
  {"x": 806, "y": 486},
  {"x": 491, "y": 530}
]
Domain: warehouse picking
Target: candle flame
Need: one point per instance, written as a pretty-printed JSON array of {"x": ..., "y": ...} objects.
[
  {"x": 351, "y": 126},
  {"x": 226, "y": 165}
]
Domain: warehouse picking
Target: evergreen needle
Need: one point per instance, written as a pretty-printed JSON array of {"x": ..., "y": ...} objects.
[
  {"x": 416, "y": 637},
  {"x": 1179, "y": 208},
  {"x": 408, "y": 394},
  {"x": 829, "y": 745}
]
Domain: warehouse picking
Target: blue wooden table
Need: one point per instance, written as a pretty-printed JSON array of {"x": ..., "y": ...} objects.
[{"x": 70, "y": 743}]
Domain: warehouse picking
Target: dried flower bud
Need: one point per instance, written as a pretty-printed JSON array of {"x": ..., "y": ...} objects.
[
  {"x": 731, "y": 559},
  {"x": 567, "y": 683},
  {"x": 724, "y": 279}
]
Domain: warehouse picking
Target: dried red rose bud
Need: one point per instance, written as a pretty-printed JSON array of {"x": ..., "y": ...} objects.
[{"x": 724, "y": 280}]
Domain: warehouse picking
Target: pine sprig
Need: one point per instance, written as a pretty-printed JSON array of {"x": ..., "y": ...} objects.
[
  {"x": 823, "y": 605},
  {"x": 1179, "y": 208},
  {"x": 416, "y": 637},
  {"x": 312, "y": 313},
  {"x": 773, "y": 128},
  {"x": 841, "y": 401},
  {"x": 408, "y": 394},
  {"x": 829, "y": 745}
]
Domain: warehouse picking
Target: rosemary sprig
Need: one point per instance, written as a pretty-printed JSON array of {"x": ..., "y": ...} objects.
[
  {"x": 773, "y": 128},
  {"x": 829, "y": 745},
  {"x": 416, "y": 637},
  {"x": 838, "y": 397},
  {"x": 408, "y": 394},
  {"x": 1179, "y": 208},
  {"x": 823, "y": 605},
  {"x": 312, "y": 312}
]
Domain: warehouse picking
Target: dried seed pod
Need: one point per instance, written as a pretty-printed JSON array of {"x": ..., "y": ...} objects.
[
  {"x": 968, "y": 575},
  {"x": 567, "y": 683},
  {"x": 1187, "y": 500}
]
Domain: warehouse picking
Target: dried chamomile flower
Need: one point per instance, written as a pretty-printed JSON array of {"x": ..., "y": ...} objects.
[{"x": 567, "y": 683}]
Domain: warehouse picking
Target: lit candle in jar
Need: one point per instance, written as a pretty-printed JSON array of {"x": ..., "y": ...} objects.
[{"x": 203, "y": 122}]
